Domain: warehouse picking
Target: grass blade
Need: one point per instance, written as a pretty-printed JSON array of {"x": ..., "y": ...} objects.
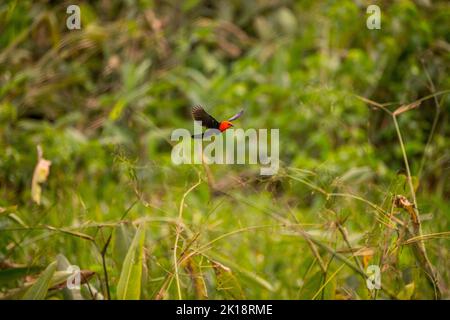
[{"x": 129, "y": 286}]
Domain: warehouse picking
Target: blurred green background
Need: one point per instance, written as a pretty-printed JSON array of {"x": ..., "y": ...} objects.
[{"x": 102, "y": 102}]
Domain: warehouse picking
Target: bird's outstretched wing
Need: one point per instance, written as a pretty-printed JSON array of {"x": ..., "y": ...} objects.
[
  {"x": 199, "y": 114},
  {"x": 237, "y": 115}
]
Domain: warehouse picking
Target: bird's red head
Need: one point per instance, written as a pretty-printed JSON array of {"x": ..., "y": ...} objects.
[{"x": 224, "y": 125}]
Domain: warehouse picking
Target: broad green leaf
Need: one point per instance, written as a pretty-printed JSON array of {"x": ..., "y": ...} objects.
[
  {"x": 39, "y": 289},
  {"x": 123, "y": 236},
  {"x": 14, "y": 217},
  {"x": 129, "y": 286},
  {"x": 69, "y": 294},
  {"x": 57, "y": 279}
]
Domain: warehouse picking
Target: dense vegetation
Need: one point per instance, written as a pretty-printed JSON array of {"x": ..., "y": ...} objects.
[{"x": 364, "y": 149}]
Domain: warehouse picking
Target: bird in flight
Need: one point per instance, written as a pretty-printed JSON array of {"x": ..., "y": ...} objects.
[{"x": 208, "y": 121}]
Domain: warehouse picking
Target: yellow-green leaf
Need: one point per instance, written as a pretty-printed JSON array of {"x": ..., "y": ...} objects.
[
  {"x": 38, "y": 290},
  {"x": 129, "y": 286},
  {"x": 123, "y": 236}
]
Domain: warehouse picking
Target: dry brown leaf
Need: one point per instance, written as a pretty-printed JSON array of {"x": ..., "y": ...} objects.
[{"x": 406, "y": 107}]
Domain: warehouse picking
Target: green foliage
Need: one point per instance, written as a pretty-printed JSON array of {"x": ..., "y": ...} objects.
[
  {"x": 102, "y": 102},
  {"x": 38, "y": 291}
]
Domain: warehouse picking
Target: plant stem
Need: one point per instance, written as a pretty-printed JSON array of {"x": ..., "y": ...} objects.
[
  {"x": 177, "y": 237},
  {"x": 405, "y": 159}
]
